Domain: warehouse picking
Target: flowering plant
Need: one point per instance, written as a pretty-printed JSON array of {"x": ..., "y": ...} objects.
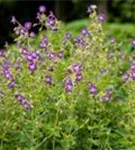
[{"x": 59, "y": 91}]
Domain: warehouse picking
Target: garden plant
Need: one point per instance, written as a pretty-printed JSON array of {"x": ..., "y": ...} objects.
[{"x": 60, "y": 91}]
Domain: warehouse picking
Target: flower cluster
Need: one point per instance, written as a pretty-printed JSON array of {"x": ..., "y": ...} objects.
[
  {"x": 68, "y": 84},
  {"x": 76, "y": 69},
  {"x": 44, "y": 43},
  {"x": 7, "y": 74},
  {"x": 51, "y": 54},
  {"x": 21, "y": 99},
  {"x": 92, "y": 89},
  {"x": 31, "y": 58},
  {"x": 130, "y": 74},
  {"x": 107, "y": 95}
]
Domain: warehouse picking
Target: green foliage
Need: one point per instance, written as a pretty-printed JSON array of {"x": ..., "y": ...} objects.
[
  {"x": 77, "y": 120},
  {"x": 124, "y": 10}
]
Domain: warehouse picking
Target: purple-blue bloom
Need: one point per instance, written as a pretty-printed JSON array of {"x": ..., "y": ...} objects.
[
  {"x": 125, "y": 76},
  {"x": 107, "y": 95},
  {"x": 48, "y": 79},
  {"x": 60, "y": 54},
  {"x": 112, "y": 40},
  {"x": 13, "y": 20},
  {"x": 76, "y": 68},
  {"x": 51, "y": 20},
  {"x": 29, "y": 57},
  {"x": 28, "y": 25},
  {"x": 133, "y": 42},
  {"x": 6, "y": 64},
  {"x": 24, "y": 51},
  {"x": 32, "y": 67},
  {"x": 68, "y": 84},
  {"x": 78, "y": 77},
  {"x": 84, "y": 32},
  {"x": 92, "y": 89},
  {"x": 51, "y": 55},
  {"x": 32, "y": 34},
  {"x": 7, "y": 74},
  {"x": 21, "y": 99},
  {"x": 42, "y": 9},
  {"x": 68, "y": 35},
  {"x": 12, "y": 84},
  {"x": 101, "y": 17},
  {"x": 1, "y": 52}
]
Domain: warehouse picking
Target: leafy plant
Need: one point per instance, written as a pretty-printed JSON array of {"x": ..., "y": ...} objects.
[{"x": 64, "y": 92}]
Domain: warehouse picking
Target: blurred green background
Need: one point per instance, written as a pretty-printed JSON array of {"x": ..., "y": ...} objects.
[{"x": 120, "y": 15}]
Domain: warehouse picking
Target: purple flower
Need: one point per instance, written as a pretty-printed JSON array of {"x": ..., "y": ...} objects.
[
  {"x": 125, "y": 76},
  {"x": 43, "y": 45},
  {"x": 6, "y": 65},
  {"x": 79, "y": 41},
  {"x": 21, "y": 99},
  {"x": 39, "y": 17},
  {"x": 45, "y": 38},
  {"x": 78, "y": 77},
  {"x": 51, "y": 20},
  {"x": 68, "y": 85},
  {"x": 26, "y": 104},
  {"x": 51, "y": 55},
  {"x": 13, "y": 20},
  {"x": 18, "y": 30},
  {"x": 29, "y": 57},
  {"x": 82, "y": 42},
  {"x": 7, "y": 75},
  {"x": 34, "y": 54},
  {"x": 28, "y": 25},
  {"x": 132, "y": 65},
  {"x": 24, "y": 51},
  {"x": 23, "y": 31},
  {"x": 39, "y": 56},
  {"x": 68, "y": 35},
  {"x": 76, "y": 40},
  {"x": 42, "y": 9},
  {"x": 107, "y": 96},
  {"x": 60, "y": 54},
  {"x": 84, "y": 32},
  {"x": 133, "y": 74},
  {"x": 133, "y": 42},
  {"x": 92, "y": 89},
  {"x": 76, "y": 68},
  {"x": 48, "y": 79},
  {"x": 101, "y": 17},
  {"x": 112, "y": 40},
  {"x": 68, "y": 88},
  {"x": 32, "y": 67},
  {"x": 32, "y": 34},
  {"x": 12, "y": 84},
  {"x": 67, "y": 80},
  {"x": 1, "y": 52},
  {"x": 91, "y": 8}
]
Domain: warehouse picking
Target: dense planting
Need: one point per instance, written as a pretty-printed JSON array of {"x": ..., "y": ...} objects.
[{"x": 64, "y": 92}]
